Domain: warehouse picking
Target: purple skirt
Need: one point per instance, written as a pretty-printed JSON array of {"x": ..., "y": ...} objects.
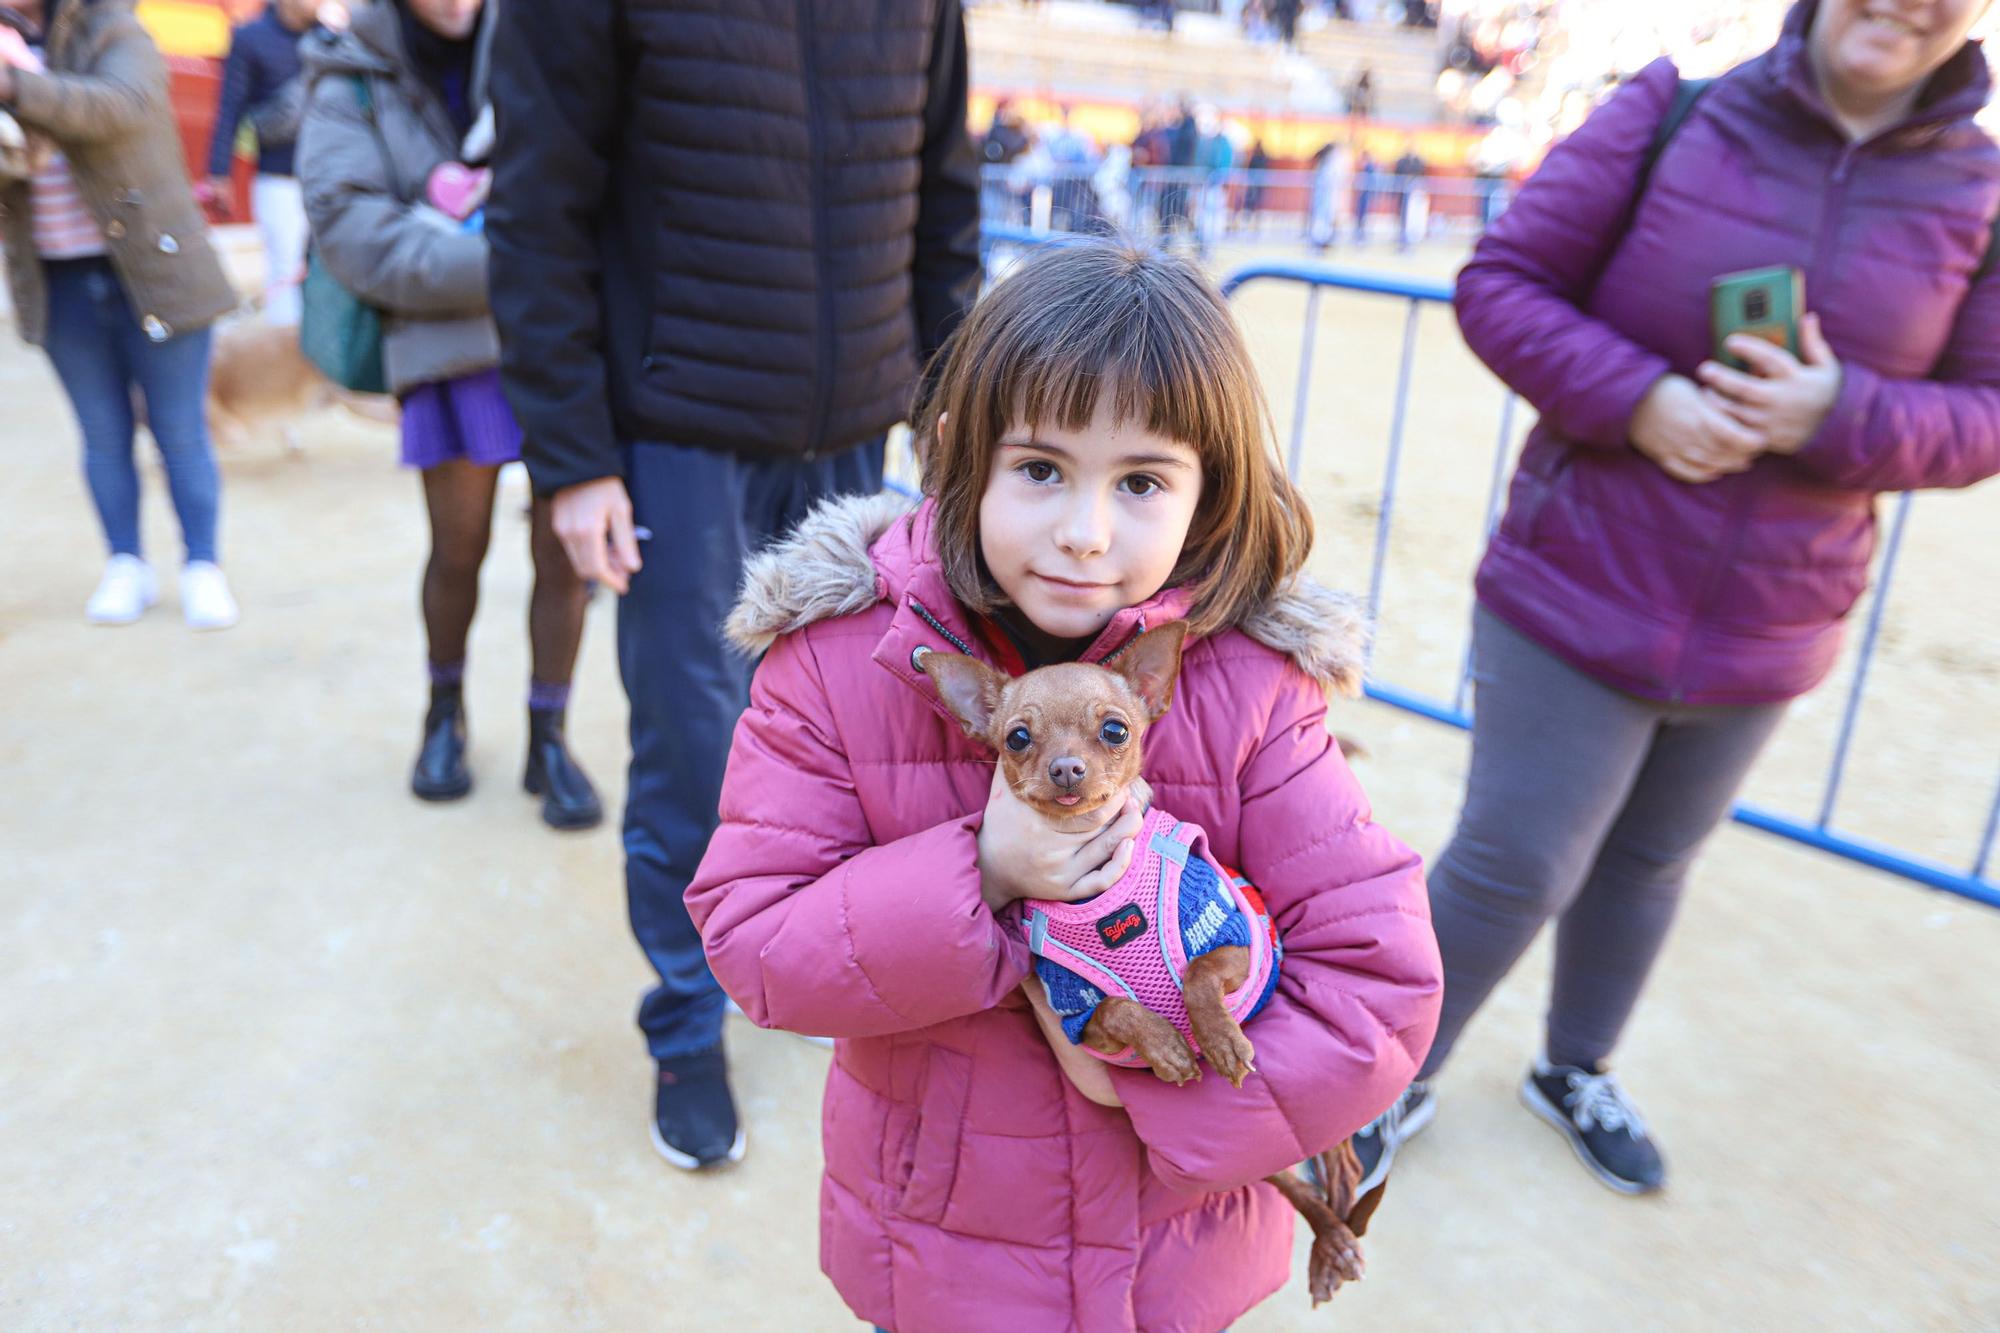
[{"x": 464, "y": 418}]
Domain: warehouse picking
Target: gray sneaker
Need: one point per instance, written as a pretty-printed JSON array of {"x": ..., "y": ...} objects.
[
  {"x": 1587, "y": 1107},
  {"x": 1376, "y": 1142}
]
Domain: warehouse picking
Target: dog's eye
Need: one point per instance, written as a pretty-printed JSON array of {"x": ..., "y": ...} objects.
[
  {"x": 1018, "y": 739},
  {"x": 1114, "y": 732}
]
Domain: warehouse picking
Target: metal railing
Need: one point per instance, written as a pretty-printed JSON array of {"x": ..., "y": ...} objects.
[{"x": 1974, "y": 881}]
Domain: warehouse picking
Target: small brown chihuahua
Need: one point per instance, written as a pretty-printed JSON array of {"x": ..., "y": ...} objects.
[{"x": 1069, "y": 739}]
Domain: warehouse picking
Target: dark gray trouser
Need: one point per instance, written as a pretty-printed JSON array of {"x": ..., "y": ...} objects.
[{"x": 1585, "y": 804}]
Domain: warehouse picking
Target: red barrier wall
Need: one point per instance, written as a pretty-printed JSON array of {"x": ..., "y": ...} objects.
[{"x": 196, "y": 85}]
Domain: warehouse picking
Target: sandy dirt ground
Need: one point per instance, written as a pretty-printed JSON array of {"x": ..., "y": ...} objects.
[{"x": 282, "y": 1048}]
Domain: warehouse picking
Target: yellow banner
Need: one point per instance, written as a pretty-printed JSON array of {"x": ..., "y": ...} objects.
[{"x": 187, "y": 27}]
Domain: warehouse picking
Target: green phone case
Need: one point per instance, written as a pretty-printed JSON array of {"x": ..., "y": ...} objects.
[{"x": 1762, "y": 302}]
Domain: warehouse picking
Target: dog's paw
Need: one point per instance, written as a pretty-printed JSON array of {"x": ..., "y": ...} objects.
[
  {"x": 1234, "y": 1057},
  {"x": 1336, "y": 1258},
  {"x": 1173, "y": 1062},
  {"x": 1227, "y": 1050}
]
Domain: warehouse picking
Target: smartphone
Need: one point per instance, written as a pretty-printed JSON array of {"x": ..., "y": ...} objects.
[{"x": 1762, "y": 302}]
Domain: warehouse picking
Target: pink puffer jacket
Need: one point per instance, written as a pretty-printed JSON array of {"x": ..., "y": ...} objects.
[{"x": 968, "y": 1187}]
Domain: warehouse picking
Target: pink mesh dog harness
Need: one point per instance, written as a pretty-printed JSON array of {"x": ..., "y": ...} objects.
[{"x": 1130, "y": 940}]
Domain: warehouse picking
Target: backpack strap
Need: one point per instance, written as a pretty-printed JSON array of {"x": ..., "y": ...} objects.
[
  {"x": 1992, "y": 255},
  {"x": 1689, "y": 92},
  {"x": 1686, "y": 94}
]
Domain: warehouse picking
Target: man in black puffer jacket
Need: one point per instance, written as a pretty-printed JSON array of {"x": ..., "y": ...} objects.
[{"x": 725, "y": 238}]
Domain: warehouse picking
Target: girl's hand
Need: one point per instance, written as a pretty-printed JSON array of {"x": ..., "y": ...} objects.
[
  {"x": 1022, "y": 856},
  {"x": 1692, "y": 435},
  {"x": 1785, "y": 400}
]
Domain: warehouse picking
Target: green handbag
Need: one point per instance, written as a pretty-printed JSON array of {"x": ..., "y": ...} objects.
[{"x": 338, "y": 331}]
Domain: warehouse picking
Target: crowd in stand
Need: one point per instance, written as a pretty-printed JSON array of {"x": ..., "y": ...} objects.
[
  {"x": 1541, "y": 65},
  {"x": 1191, "y": 175}
]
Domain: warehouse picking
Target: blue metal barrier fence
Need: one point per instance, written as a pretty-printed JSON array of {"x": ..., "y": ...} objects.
[{"x": 1975, "y": 882}]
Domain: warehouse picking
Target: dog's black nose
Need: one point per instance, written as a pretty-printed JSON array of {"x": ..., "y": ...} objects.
[{"x": 1066, "y": 773}]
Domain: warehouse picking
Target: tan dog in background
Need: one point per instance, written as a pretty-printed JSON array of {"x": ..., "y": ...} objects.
[{"x": 259, "y": 380}]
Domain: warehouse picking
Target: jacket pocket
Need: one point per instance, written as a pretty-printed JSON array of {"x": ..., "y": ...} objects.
[
  {"x": 929, "y": 1164},
  {"x": 1533, "y": 516}
]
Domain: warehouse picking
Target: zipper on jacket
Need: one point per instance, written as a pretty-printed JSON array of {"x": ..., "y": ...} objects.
[
  {"x": 1734, "y": 520},
  {"x": 1829, "y": 216},
  {"x": 938, "y": 625},
  {"x": 823, "y": 294},
  {"x": 1119, "y": 651},
  {"x": 1732, "y": 526}
]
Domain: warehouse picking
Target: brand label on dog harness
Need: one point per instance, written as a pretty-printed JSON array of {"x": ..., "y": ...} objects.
[{"x": 1123, "y": 926}]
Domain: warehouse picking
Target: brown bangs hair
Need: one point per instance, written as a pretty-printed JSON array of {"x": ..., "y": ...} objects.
[{"x": 1086, "y": 317}]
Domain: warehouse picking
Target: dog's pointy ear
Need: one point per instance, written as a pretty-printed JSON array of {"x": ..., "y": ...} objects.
[
  {"x": 1152, "y": 663},
  {"x": 969, "y": 688}
]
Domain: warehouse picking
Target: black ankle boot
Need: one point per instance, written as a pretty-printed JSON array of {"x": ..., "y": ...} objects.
[
  {"x": 440, "y": 774},
  {"x": 568, "y": 799}
]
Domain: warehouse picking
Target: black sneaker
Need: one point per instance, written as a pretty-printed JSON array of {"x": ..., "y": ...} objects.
[
  {"x": 1590, "y": 1110},
  {"x": 694, "y": 1117},
  {"x": 1375, "y": 1143}
]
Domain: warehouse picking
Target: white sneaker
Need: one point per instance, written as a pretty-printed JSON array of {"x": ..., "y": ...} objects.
[
  {"x": 123, "y": 594},
  {"x": 205, "y": 599}
]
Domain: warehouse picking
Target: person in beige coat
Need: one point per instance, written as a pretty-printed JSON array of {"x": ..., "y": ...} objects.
[{"x": 112, "y": 274}]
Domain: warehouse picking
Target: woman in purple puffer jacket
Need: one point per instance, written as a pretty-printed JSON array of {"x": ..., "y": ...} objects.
[{"x": 1683, "y": 541}]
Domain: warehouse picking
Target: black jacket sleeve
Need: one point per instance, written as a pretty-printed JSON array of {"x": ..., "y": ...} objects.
[
  {"x": 945, "y": 274},
  {"x": 555, "y": 82}
]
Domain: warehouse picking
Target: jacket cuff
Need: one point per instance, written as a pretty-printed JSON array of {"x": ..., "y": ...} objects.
[
  {"x": 1836, "y": 452},
  {"x": 34, "y": 96},
  {"x": 546, "y": 478},
  {"x": 1609, "y": 423}
]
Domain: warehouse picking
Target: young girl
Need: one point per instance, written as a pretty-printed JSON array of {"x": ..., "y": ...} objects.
[
  {"x": 1101, "y": 463},
  {"x": 393, "y": 104}
]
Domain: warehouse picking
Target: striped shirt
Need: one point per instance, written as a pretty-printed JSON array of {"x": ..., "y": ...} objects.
[{"x": 64, "y": 228}]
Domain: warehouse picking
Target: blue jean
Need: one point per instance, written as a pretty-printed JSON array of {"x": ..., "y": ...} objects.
[
  {"x": 102, "y": 355},
  {"x": 687, "y": 687}
]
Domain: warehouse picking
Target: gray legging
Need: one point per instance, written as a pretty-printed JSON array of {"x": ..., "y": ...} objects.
[{"x": 1585, "y": 804}]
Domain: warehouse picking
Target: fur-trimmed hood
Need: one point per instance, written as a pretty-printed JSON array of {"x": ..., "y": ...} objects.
[{"x": 834, "y": 564}]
